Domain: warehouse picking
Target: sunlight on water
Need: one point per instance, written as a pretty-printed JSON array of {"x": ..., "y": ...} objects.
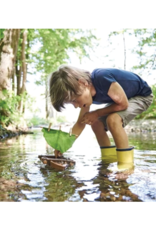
[{"x": 91, "y": 179}]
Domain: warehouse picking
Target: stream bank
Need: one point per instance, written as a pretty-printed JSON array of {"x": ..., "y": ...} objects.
[{"x": 7, "y": 133}]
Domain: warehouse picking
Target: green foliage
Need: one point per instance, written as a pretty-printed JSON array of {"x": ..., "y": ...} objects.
[
  {"x": 61, "y": 119},
  {"x": 151, "y": 111},
  {"x": 45, "y": 50},
  {"x": 9, "y": 113},
  {"x": 8, "y": 108},
  {"x": 1, "y": 33},
  {"x": 37, "y": 121},
  {"x": 54, "y": 46},
  {"x": 146, "y": 49},
  {"x": 115, "y": 33}
]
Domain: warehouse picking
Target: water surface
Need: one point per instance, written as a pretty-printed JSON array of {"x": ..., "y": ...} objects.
[{"x": 90, "y": 179}]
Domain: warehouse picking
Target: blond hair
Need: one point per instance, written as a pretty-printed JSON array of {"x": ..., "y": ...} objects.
[{"x": 64, "y": 85}]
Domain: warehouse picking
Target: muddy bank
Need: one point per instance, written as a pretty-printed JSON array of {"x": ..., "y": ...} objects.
[{"x": 6, "y": 133}]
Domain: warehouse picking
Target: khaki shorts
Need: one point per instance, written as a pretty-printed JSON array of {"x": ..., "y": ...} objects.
[{"x": 136, "y": 106}]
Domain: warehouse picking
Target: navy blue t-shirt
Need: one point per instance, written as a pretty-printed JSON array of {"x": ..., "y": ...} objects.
[{"x": 131, "y": 83}]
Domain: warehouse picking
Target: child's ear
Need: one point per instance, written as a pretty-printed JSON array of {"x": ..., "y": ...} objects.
[{"x": 82, "y": 82}]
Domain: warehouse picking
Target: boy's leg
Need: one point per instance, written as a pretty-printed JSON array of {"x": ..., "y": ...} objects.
[
  {"x": 115, "y": 126},
  {"x": 108, "y": 152},
  {"x": 117, "y": 121},
  {"x": 100, "y": 133}
]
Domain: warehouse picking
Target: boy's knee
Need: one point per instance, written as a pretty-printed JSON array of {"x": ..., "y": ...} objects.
[
  {"x": 113, "y": 120},
  {"x": 96, "y": 125}
]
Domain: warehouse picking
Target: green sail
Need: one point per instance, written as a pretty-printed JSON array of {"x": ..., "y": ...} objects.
[{"x": 58, "y": 139}]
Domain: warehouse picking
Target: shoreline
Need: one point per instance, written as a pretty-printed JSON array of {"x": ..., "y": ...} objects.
[
  {"x": 135, "y": 126},
  {"x": 6, "y": 133}
]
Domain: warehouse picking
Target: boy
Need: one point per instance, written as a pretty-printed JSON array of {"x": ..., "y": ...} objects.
[{"x": 124, "y": 92}]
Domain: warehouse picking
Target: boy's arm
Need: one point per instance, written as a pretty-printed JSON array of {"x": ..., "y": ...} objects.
[
  {"x": 79, "y": 126},
  {"x": 117, "y": 94}
]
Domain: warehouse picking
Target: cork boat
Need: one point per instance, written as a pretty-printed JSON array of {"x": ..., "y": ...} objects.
[{"x": 60, "y": 163}]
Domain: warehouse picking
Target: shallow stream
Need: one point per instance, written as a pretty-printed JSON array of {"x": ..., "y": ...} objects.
[{"x": 23, "y": 177}]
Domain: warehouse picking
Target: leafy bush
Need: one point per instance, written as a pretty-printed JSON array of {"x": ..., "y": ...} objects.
[
  {"x": 8, "y": 108},
  {"x": 9, "y": 111},
  {"x": 36, "y": 121},
  {"x": 1, "y": 33},
  {"x": 151, "y": 111},
  {"x": 61, "y": 119}
]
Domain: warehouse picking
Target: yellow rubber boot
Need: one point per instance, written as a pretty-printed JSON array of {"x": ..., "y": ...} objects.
[
  {"x": 125, "y": 158},
  {"x": 108, "y": 154}
]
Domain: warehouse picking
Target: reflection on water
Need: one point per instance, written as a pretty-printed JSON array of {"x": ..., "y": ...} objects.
[{"x": 91, "y": 179}]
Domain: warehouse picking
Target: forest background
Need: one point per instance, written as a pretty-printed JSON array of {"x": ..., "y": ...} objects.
[{"x": 28, "y": 56}]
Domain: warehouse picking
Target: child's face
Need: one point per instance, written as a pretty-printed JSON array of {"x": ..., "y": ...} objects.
[{"x": 85, "y": 99}]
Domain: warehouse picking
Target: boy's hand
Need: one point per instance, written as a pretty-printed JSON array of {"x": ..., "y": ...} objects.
[
  {"x": 57, "y": 153},
  {"x": 90, "y": 117}
]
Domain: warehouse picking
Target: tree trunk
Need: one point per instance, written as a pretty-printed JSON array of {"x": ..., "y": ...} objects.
[
  {"x": 8, "y": 51},
  {"x": 22, "y": 72},
  {"x": 6, "y": 59},
  {"x": 18, "y": 76},
  {"x": 24, "y": 65},
  {"x": 46, "y": 99},
  {"x": 124, "y": 44},
  {"x": 16, "y": 36},
  {"x": 51, "y": 113}
]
